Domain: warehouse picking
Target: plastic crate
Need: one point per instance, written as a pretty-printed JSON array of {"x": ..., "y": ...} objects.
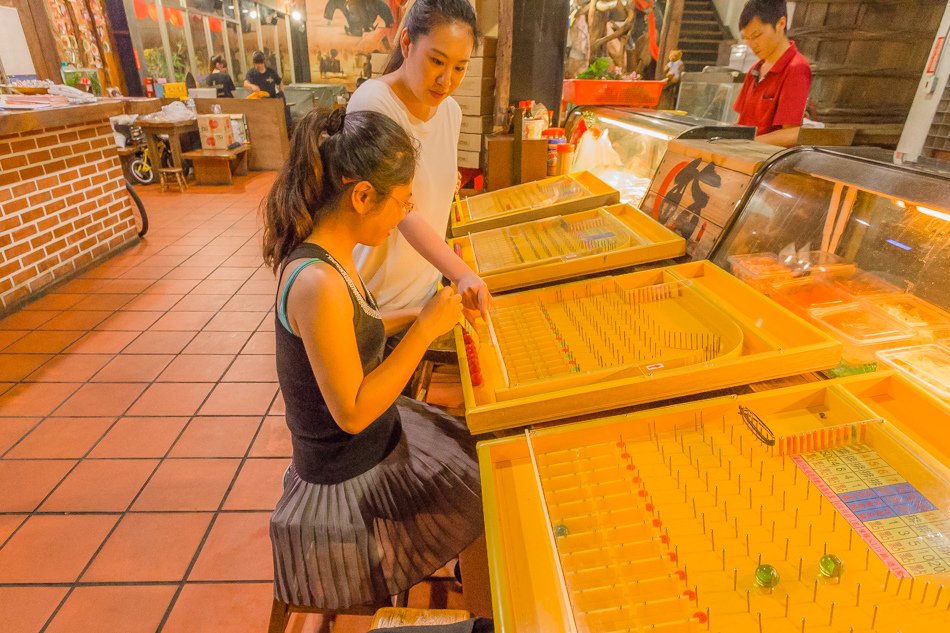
[{"x": 619, "y": 92}]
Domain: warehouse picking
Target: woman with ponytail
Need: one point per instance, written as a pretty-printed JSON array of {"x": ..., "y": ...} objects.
[
  {"x": 382, "y": 490},
  {"x": 429, "y": 61}
]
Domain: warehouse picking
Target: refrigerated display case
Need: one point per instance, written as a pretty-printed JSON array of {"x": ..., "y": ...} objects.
[
  {"x": 710, "y": 93},
  {"x": 639, "y": 139},
  {"x": 854, "y": 241}
]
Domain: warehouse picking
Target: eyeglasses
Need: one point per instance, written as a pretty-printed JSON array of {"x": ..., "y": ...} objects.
[{"x": 407, "y": 205}]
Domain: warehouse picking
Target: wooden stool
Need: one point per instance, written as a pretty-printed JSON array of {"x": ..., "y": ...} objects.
[
  {"x": 280, "y": 612},
  {"x": 389, "y": 617},
  {"x": 218, "y": 166},
  {"x": 177, "y": 175}
]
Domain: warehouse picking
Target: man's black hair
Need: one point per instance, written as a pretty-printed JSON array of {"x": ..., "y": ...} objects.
[{"x": 768, "y": 12}]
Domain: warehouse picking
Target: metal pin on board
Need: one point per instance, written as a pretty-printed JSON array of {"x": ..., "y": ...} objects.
[
  {"x": 748, "y": 601},
  {"x": 857, "y": 598},
  {"x": 874, "y": 616},
  {"x": 887, "y": 579},
  {"x": 923, "y": 596},
  {"x": 801, "y": 561},
  {"x": 937, "y": 597},
  {"x": 735, "y": 578},
  {"x": 814, "y": 593},
  {"x": 831, "y": 613},
  {"x": 786, "y": 605}
]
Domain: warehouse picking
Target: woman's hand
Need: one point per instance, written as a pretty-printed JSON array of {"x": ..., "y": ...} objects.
[
  {"x": 440, "y": 314},
  {"x": 475, "y": 293}
]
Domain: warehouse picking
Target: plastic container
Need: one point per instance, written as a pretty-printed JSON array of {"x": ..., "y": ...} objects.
[
  {"x": 863, "y": 329},
  {"x": 565, "y": 158},
  {"x": 817, "y": 263},
  {"x": 808, "y": 293},
  {"x": 862, "y": 284},
  {"x": 927, "y": 319},
  {"x": 620, "y": 92},
  {"x": 927, "y": 365},
  {"x": 759, "y": 270}
]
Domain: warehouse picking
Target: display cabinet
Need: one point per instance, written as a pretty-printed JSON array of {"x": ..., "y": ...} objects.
[
  {"x": 817, "y": 507},
  {"x": 638, "y": 141},
  {"x": 857, "y": 243}
]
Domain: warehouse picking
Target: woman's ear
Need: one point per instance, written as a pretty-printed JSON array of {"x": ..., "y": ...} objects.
[
  {"x": 363, "y": 197},
  {"x": 404, "y": 42}
]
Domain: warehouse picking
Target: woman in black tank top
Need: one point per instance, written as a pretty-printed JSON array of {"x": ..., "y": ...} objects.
[{"x": 382, "y": 490}]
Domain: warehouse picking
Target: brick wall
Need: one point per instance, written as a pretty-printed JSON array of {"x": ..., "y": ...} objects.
[{"x": 63, "y": 204}]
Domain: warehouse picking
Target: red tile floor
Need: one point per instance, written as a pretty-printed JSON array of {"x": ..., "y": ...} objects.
[{"x": 142, "y": 439}]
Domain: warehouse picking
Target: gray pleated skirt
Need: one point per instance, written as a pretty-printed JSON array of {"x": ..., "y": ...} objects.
[{"x": 376, "y": 535}]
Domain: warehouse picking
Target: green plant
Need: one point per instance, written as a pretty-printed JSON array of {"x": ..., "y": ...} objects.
[{"x": 600, "y": 69}]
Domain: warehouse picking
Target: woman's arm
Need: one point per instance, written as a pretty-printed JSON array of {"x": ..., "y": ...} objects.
[
  {"x": 321, "y": 312},
  {"x": 432, "y": 246},
  {"x": 398, "y": 320}
]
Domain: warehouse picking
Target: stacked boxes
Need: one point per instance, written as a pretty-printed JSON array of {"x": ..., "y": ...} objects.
[{"x": 475, "y": 95}]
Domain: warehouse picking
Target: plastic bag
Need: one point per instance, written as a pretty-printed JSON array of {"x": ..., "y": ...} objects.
[{"x": 595, "y": 152}]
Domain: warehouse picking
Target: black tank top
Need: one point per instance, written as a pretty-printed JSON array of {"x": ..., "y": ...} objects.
[{"x": 323, "y": 453}]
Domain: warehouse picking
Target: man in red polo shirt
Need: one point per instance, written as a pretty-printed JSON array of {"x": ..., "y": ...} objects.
[{"x": 775, "y": 90}]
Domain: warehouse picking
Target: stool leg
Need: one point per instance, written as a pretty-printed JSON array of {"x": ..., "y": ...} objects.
[{"x": 279, "y": 616}]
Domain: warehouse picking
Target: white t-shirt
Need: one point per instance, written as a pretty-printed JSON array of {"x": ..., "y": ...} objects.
[{"x": 397, "y": 275}]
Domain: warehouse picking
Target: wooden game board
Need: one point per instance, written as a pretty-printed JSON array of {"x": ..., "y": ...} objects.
[
  {"x": 566, "y": 246},
  {"x": 609, "y": 342},
  {"x": 530, "y": 201},
  {"x": 659, "y": 520}
]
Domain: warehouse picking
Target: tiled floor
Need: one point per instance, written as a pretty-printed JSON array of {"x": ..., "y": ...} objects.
[{"x": 142, "y": 438}]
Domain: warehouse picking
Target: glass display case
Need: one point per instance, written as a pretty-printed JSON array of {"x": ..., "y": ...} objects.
[
  {"x": 856, "y": 242},
  {"x": 710, "y": 93},
  {"x": 636, "y": 142}
]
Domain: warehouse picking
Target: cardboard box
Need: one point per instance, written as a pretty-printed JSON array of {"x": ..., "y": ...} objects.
[
  {"x": 239, "y": 128},
  {"x": 215, "y": 131},
  {"x": 475, "y": 86},
  {"x": 176, "y": 90},
  {"x": 471, "y": 160},
  {"x": 499, "y": 156},
  {"x": 470, "y": 142},
  {"x": 476, "y": 124},
  {"x": 476, "y": 106},
  {"x": 479, "y": 67}
]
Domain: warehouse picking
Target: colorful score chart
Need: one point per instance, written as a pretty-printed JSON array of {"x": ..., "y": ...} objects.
[{"x": 719, "y": 525}]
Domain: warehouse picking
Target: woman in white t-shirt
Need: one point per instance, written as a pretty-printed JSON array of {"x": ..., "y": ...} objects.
[{"x": 426, "y": 67}]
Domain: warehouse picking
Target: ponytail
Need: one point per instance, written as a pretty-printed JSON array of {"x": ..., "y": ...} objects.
[
  {"x": 424, "y": 15},
  {"x": 328, "y": 148}
]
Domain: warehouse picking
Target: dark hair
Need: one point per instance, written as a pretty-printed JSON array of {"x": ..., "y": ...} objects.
[
  {"x": 768, "y": 12},
  {"x": 327, "y": 148},
  {"x": 217, "y": 59},
  {"x": 257, "y": 57},
  {"x": 425, "y": 15}
]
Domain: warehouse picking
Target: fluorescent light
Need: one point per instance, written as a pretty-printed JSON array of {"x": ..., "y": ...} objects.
[
  {"x": 862, "y": 222},
  {"x": 942, "y": 215},
  {"x": 296, "y": 15},
  {"x": 635, "y": 128},
  {"x": 899, "y": 245}
]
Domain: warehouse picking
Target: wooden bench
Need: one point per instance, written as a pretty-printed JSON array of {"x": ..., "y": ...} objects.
[{"x": 218, "y": 166}]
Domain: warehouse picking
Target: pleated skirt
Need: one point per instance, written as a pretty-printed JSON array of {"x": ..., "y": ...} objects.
[{"x": 376, "y": 535}]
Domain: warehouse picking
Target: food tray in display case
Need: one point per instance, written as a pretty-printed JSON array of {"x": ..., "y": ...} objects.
[
  {"x": 530, "y": 201},
  {"x": 566, "y": 246},
  {"x": 613, "y": 341},
  {"x": 637, "y": 140},
  {"x": 805, "y": 506},
  {"x": 928, "y": 365},
  {"x": 884, "y": 228}
]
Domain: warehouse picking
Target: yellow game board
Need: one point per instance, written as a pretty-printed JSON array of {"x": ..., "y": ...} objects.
[
  {"x": 615, "y": 341},
  {"x": 530, "y": 201},
  {"x": 565, "y": 246},
  {"x": 800, "y": 508}
]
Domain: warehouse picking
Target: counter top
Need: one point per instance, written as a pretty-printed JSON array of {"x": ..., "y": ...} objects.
[{"x": 18, "y": 121}]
